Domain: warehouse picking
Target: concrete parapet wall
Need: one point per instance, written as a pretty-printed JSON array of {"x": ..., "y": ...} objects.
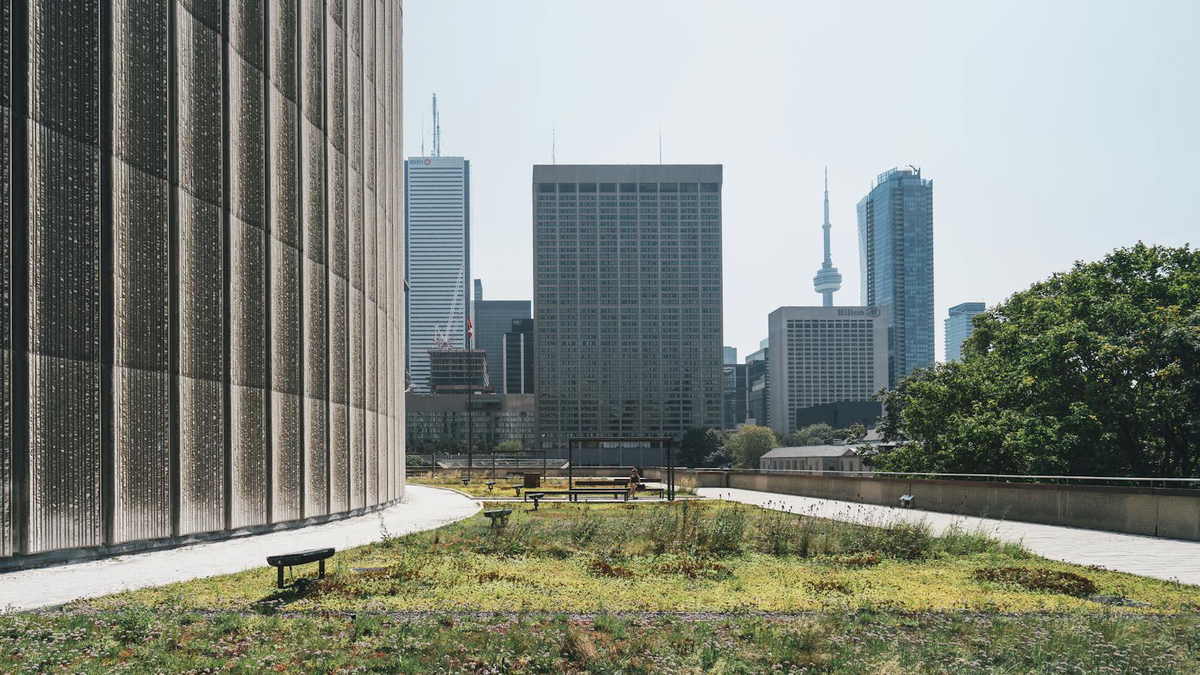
[{"x": 1161, "y": 512}]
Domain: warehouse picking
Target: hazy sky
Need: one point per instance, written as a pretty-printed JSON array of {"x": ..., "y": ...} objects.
[{"x": 1054, "y": 131}]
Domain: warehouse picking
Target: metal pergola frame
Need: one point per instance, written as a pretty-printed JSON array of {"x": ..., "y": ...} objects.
[{"x": 667, "y": 441}]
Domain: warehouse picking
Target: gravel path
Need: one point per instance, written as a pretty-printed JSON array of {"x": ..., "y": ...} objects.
[
  {"x": 423, "y": 508},
  {"x": 1170, "y": 559}
]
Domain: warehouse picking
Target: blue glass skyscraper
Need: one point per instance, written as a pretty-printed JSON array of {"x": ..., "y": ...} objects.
[{"x": 895, "y": 251}]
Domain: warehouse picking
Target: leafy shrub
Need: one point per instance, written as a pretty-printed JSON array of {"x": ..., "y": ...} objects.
[{"x": 1039, "y": 579}]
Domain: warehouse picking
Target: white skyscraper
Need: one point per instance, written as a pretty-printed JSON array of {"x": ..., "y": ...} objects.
[{"x": 437, "y": 218}]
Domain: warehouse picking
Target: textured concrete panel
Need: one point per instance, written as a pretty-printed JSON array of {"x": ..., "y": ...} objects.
[
  {"x": 354, "y": 120},
  {"x": 247, "y": 305},
  {"x": 208, "y": 12},
  {"x": 198, "y": 107},
  {"x": 312, "y": 182},
  {"x": 339, "y": 238},
  {"x": 285, "y": 457},
  {"x": 200, "y": 292},
  {"x": 285, "y": 318},
  {"x": 64, "y": 246},
  {"x": 247, "y": 144},
  {"x": 141, "y": 423},
  {"x": 139, "y": 84},
  {"x": 284, "y": 18},
  {"x": 312, "y": 60},
  {"x": 339, "y": 457},
  {"x": 201, "y": 456},
  {"x": 357, "y": 350},
  {"x": 64, "y": 67},
  {"x": 206, "y": 313},
  {"x": 339, "y": 359},
  {"x": 140, "y": 401},
  {"x": 372, "y": 457},
  {"x": 246, "y": 29},
  {"x": 316, "y": 466},
  {"x": 284, "y": 216},
  {"x": 248, "y": 454},
  {"x": 315, "y": 348},
  {"x": 358, "y": 458},
  {"x": 64, "y": 454},
  {"x": 335, "y": 86}
]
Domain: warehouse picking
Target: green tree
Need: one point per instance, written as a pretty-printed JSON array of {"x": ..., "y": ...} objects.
[
  {"x": 1094, "y": 371},
  {"x": 698, "y": 445},
  {"x": 748, "y": 444},
  {"x": 509, "y": 446},
  {"x": 856, "y": 432},
  {"x": 813, "y": 434}
]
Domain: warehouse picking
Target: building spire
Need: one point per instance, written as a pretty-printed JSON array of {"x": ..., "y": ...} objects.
[{"x": 828, "y": 279}]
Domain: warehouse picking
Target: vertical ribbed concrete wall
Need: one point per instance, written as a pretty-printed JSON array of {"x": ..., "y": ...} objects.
[{"x": 199, "y": 285}]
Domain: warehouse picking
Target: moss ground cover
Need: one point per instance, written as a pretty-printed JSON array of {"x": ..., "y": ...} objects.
[
  {"x": 694, "y": 556},
  {"x": 702, "y": 586}
]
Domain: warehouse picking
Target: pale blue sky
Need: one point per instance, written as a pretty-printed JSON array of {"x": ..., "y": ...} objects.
[{"x": 1053, "y": 131}]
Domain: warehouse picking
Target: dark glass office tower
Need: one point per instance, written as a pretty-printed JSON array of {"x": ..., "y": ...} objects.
[
  {"x": 895, "y": 255},
  {"x": 627, "y": 304},
  {"x": 518, "y": 375}
]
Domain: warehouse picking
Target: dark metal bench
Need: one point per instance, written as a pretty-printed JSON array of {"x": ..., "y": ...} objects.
[
  {"x": 499, "y": 515},
  {"x": 465, "y": 481},
  {"x": 289, "y": 560},
  {"x": 517, "y": 488},
  {"x": 490, "y": 484},
  {"x": 536, "y": 497},
  {"x": 573, "y": 494}
]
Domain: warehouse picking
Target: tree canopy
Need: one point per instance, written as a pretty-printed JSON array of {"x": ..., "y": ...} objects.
[
  {"x": 1095, "y": 371},
  {"x": 698, "y": 445},
  {"x": 750, "y": 443}
]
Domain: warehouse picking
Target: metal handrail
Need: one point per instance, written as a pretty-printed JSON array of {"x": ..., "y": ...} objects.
[{"x": 990, "y": 477}]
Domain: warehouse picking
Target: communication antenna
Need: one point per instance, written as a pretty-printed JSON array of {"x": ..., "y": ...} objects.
[
  {"x": 422, "y": 135},
  {"x": 437, "y": 129},
  {"x": 660, "y": 144}
]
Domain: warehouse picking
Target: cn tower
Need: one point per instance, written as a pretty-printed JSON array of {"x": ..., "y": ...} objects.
[{"x": 827, "y": 280}]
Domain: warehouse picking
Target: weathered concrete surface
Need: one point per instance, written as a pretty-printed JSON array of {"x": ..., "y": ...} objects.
[
  {"x": 423, "y": 508},
  {"x": 1134, "y": 510},
  {"x": 1147, "y": 556}
]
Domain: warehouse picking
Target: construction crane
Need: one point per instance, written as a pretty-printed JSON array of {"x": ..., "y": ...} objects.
[{"x": 443, "y": 335}]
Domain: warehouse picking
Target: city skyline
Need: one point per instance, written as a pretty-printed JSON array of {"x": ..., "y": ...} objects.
[{"x": 974, "y": 105}]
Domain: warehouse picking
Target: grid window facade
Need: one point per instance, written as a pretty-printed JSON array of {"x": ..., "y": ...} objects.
[{"x": 627, "y": 303}]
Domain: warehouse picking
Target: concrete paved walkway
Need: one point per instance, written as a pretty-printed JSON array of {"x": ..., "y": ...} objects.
[
  {"x": 1170, "y": 559},
  {"x": 423, "y": 508}
]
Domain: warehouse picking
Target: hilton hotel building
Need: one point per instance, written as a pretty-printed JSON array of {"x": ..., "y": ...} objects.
[
  {"x": 627, "y": 303},
  {"x": 824, "y": 355}
]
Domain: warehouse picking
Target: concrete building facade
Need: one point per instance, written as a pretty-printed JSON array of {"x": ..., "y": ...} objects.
[
  {"x": 627, "y": 304},
  {"x": 895, "y": 255},
  {"x": 958, "y": 327},
  {"x": 201, "y": 282},
  {"x": 824, "y": 355},
  {"x": 437, "y": 218}
]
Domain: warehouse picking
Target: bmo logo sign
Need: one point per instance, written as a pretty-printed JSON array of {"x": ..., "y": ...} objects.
[{"x": 420, "y": 161}]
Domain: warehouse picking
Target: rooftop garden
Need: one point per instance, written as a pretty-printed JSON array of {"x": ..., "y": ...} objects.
[{"x": 690, "y": 586}]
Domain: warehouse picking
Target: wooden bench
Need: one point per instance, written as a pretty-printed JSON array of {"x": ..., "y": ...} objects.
[
  {"x": 536, "y": 497},
  {"x": 499, "y": 515},
  {"x": 317, "y": 555},
  {"x": 574, "y": 493}
]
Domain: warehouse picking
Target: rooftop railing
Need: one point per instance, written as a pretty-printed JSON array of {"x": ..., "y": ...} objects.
[{"x": 1125, "y": 481}]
